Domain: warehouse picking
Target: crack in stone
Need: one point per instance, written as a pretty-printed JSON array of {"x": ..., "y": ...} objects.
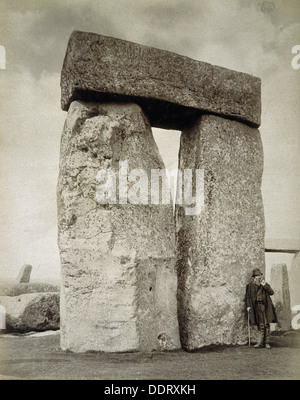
[{"x": 97, "y": 234}]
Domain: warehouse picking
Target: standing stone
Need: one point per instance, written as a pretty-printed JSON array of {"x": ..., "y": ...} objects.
[
  {"x": 16, "y": 289},
  {"x": 118, "y": 260},
  {"x": 2, "y": 317},
  {"x": 218, "y": 249},
  {"x": 31, "y": 312},
  {"x": 294, "y": 280},
  {"x": 279, "y": 282},
  {"x": 24, "y": 274}
]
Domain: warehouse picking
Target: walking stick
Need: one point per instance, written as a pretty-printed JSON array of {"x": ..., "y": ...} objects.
[{"x": 249, "y": 335}]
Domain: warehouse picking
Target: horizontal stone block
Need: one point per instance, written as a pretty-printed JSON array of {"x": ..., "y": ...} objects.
[
  {"x": 16, "y": 289},
  {"x": 169, "y": 87}
]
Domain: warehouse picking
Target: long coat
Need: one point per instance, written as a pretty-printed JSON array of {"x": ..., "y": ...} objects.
[{"x": 250, "y": 298}]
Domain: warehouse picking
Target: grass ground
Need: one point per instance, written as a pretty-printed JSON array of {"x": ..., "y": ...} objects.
[{"x": 38, "y": 356}]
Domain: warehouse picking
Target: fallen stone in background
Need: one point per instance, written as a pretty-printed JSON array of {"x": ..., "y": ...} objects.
[
  {"x": 218, "y": 248},
  {"x": 119, "y": 282},
  {"x": 31, "y": 312},
  {"x": 16, "y": 289}
]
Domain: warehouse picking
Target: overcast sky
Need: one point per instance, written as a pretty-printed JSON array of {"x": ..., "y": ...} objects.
[{"x": 251, "y": 36}]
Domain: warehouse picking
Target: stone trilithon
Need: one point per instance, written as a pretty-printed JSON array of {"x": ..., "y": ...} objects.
[{"x": 134, "y": 276}]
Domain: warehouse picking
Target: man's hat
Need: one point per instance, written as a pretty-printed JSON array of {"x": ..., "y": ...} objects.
[{"x": 257, "y": 272}]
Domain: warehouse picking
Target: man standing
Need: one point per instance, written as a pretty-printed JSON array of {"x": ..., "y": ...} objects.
[{"x": 260, "y": 307}]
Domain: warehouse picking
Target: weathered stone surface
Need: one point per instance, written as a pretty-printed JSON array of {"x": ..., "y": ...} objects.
[
  {"x": 171, "y": 88},
  {"x": 31, "y": 312},
  {"x": 16, "y": 289},
  {"x": 255, "y": 334},
  {"x": 118, "y": 260},
  {"x": 24, "y": 274},
  {"x": 279, "y": 282},
  {"x": 218, "y": 249}
]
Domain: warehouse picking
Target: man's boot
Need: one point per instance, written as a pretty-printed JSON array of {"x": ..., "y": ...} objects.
[
  {"x": 267, "y": 337},
  {"x": 260, "y": 339}
]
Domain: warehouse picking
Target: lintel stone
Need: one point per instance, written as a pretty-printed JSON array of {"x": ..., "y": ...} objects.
[{"x": 170, "y": 88}]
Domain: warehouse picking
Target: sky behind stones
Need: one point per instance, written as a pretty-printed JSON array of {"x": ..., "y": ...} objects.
[{"x": 251, "y": 36}]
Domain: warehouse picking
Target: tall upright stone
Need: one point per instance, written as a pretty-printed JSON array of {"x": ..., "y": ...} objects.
[
  {"x": 118, "y": 260},
  {"x": 218, "y": 248},
  {"x": 279, "y": 282},
  {"x": 219, "y": 111},
  {"x": 2, "y": 318},
  {"x": 294, "y": 280},
  {"x": 171, "y": 88},
  {"x": 24, "y": 274}
]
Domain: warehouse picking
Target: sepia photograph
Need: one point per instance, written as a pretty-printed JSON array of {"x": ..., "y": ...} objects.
[{"x": 150, "y": 192}]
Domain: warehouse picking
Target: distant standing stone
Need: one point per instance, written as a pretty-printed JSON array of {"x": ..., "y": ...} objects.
[
  {"x": 24, "y": 274},
  {"x": 2, "y": 317},
  {"x": 294, "y": 279},
  {"x": 118, "y": 260},
  {"x": 15, "y": 289},
  {"x": 279, "y": 282}
]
